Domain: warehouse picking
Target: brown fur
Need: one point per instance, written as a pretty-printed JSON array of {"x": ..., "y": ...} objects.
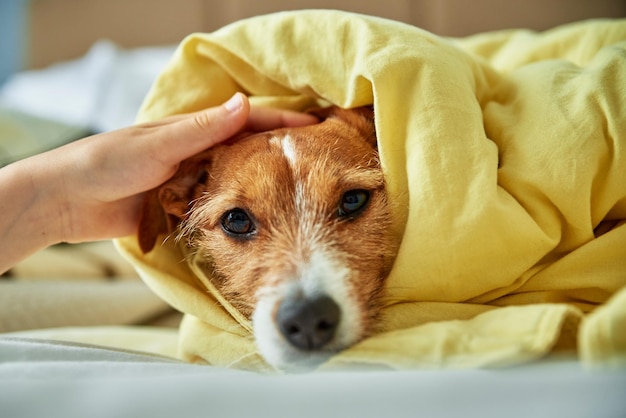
[{"x": 253, "y": 173}]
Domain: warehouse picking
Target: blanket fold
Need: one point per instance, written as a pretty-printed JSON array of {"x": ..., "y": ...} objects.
[{"x": 505, "y": 159}]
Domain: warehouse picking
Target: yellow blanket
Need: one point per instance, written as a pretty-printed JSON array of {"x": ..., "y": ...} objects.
[{"x": 505, "y": 154}]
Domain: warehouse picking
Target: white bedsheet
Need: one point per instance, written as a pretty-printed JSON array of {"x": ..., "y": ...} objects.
[{"x": 50, "y": 379}]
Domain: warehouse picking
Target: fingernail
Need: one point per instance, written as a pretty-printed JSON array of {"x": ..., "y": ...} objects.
[{"x": 234, "y": 103}]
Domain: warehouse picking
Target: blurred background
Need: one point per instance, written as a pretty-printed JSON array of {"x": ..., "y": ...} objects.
[
  {"x": 36, "y": 33},
  {"x": 72, "y": 67}
]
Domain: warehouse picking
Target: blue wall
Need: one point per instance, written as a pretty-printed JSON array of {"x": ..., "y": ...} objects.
[{"x": 12, "y": 36}]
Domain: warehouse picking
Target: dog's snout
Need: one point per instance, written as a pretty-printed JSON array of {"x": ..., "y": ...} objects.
[{"x": 308, "y": 324}]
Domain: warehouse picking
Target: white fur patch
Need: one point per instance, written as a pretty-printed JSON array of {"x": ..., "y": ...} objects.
[
  {"x": 320, "y": 275},
  {"x": 289, "y": 151},
  {"x": 326, "y": 275}
]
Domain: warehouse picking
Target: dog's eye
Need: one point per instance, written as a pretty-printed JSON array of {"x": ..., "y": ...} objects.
[
  {"x": 352, "y": 202},
  {"x": 237, "y": 222}
]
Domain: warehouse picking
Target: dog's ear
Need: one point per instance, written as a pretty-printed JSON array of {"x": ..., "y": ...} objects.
[
  {"x": 361, "y": 118},
  {"x": 164, "y": 207},
  {"x": 152, "y": 221}
]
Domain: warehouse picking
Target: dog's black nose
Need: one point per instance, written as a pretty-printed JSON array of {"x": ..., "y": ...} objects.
[{"x": 308, "y": 324}]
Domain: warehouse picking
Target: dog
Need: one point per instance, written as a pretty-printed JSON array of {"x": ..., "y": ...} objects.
[{"x": 296, "y": 224}]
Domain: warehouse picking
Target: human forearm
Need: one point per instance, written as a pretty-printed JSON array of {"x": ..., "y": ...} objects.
[{"x": 30, "y": 221}]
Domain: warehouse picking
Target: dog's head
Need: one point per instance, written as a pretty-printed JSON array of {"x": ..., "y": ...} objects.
[{"x": 297, "y": 227}]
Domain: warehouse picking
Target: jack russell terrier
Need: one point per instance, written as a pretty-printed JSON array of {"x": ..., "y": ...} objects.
[{"x": 296, "y": 225}]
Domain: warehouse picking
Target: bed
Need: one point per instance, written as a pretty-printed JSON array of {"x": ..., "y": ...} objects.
[
  {"x": 43, "y": 378},
  {"x": 92, "y": 338}
]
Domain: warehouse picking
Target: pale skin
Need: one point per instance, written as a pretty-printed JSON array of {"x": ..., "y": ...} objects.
[{"x": 92, "y": 189}]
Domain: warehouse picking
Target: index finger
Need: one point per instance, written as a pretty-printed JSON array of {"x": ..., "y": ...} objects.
[{"x": 267, "y": 118}]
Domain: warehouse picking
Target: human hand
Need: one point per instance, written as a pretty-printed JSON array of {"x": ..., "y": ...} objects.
[
  {"x": 92, "y": 189},
  {"x": 103, "y": 189}
]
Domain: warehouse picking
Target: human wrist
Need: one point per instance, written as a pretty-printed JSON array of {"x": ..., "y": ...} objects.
[
  {"x": 32, "y": 212},
  {"x": 50, "y": 212}
]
